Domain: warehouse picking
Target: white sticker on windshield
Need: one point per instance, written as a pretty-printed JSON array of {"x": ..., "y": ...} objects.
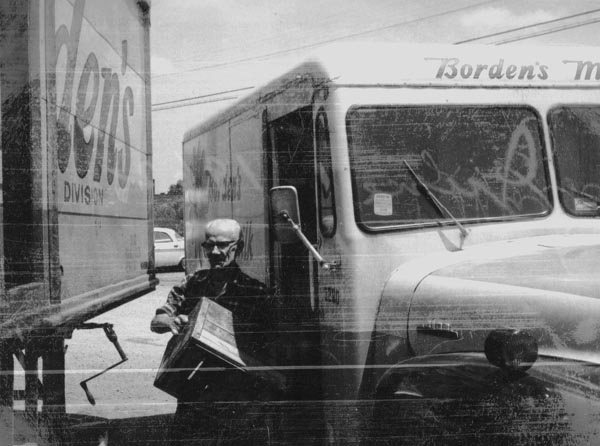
[
  {"x": 382, "y": 204},
  {"x": 583, "y": 205}
]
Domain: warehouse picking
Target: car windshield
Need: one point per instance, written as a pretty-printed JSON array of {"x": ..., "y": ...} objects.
[
  {"x": 479, "y": 162},
  {"x": 576, "y": 143}
]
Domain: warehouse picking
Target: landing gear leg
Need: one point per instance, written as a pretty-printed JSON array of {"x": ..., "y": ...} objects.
[
  {"x": 6, "y": 395},
  {"x": 53, "y": 376}
]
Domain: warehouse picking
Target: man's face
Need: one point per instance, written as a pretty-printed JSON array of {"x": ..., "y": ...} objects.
[{"x": 221, "y": 246}]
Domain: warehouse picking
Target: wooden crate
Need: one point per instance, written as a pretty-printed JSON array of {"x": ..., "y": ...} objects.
[{"x": 212, "y": 348}]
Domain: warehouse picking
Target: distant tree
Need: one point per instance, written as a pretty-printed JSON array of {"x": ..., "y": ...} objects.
[
  {"x": 176, "y": 189},
  {"x": 168, "y": 208},
  {"x": 165, "y": 212}
]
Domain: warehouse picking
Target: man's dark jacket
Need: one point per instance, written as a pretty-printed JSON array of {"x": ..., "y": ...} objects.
[{"x": 252, "y": 305}]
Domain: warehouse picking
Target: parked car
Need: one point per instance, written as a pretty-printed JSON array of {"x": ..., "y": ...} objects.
[{"x": 169, "y": 248}]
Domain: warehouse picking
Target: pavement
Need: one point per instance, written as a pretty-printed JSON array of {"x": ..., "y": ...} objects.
[
  {"x": 127, "y": 390},
  {"x": 128, "y": 409}
]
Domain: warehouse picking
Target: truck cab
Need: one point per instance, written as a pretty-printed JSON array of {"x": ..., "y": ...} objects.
[{"x": 452, "y": 196}]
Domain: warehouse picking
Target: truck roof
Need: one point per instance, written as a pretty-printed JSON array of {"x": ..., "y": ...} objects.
[{"x": 438, "y": 66}]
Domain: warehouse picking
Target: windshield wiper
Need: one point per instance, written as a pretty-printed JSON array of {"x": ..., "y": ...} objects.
[{"x": 439, "y": 207}]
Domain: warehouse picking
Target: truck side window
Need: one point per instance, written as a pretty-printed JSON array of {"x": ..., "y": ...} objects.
[
  {"x": 575, "y": 131},
  {"x": 327, "y": 217}
]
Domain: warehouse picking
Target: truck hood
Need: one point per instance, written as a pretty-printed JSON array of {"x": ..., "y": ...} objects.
[
  {"x": 550, "y": 266},
  {"x": 462, "y": 399},
  {"x": 548, "y": 286}
]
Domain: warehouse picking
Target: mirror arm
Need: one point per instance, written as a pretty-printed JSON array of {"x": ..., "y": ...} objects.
[{"x": 322, "y": 262}]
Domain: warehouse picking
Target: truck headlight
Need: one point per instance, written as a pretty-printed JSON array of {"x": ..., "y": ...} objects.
[{"x": 511, "y": 350}]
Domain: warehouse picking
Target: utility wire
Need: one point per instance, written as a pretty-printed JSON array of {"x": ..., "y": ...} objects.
[
  {"x": 326, "y": 21},
  {"x": 529, "y": 36},
  {"x": 325, "y": 42},
  {"x": 158, "y": 104},
  {"x": 528, "y": 26},
  {"x": 550, "y": 31},
  {"x": 227, "y": 98}
]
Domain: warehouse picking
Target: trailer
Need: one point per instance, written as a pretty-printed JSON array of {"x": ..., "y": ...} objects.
[
  {"x": 429, "y": 215},
  {"x": 76, "y": 179}
]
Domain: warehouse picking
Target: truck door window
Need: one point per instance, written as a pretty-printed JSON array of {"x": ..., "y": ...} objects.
[
  {"x": 575, "y": 134},
  {"x": 481, "y": 162},
  {"x": 327, "y": 218},
  {"x": 292, "y": 139}
]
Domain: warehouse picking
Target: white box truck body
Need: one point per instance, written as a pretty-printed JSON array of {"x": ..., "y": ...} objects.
[{"x": 76, "y": 160}]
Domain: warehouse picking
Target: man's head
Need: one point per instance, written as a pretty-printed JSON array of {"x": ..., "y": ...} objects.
[{"x": 223, "y": 241}]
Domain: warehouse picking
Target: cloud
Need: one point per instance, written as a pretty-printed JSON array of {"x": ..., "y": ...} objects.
[{"x": 496, "y": 19}]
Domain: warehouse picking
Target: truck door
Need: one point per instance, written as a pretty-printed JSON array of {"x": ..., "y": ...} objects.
[{"x": 292, "y": 163}]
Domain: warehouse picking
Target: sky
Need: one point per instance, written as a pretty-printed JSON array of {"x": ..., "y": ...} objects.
[{"x": 216, "y": 51}]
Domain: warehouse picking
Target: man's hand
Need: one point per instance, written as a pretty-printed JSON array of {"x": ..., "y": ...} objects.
[
  {"x": 163, "y": 323},
  {"x": 178, "y": 323}
]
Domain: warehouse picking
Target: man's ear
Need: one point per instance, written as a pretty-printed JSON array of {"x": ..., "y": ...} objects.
[{"x": 239, "y": 246}]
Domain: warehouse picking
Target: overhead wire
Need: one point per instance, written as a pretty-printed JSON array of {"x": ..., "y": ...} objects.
[
  {"x": 327, "y": 17},
  {"x": 551, "y": 31},
  {"x": 226, "y": 98},
  {"x": 325, "y": 42},
  {"x": 512, "y": 30},
  {"x": 186, "y": 100},
  {"x": 521, "y": 28},
  {"x": 158, "y": 104}
]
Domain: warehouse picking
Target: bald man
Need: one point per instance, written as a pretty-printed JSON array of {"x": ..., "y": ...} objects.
[
  {"x": 247, "y": 298},
  {"x": 224, "y": 282}
]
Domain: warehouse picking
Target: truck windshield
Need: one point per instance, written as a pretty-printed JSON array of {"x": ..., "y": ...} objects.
[
  {"x": 576, "y": 142},
  {"x": 480, "y": 162}
]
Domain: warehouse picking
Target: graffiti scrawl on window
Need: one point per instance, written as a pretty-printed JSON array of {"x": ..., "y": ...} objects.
[{"x": 480, "y": 162}]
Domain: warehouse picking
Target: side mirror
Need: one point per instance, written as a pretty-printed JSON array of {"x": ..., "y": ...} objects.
[
  {"x": 285, "y": 218},
  {"x": 284, "y": 200}
]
